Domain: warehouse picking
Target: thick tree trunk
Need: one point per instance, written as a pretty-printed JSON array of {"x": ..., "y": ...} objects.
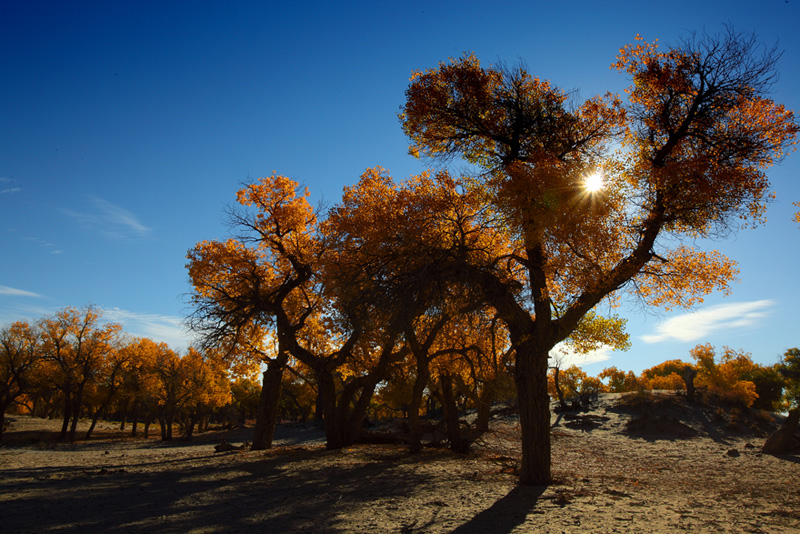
[
  {"x": 166, "y": 421},
  {"x": 417, "y": 393},
  {"x": 187, "y": 435},
  {"x": 458, "y": 443},
  {"x": 267, "y": 417},
  {"x": 534, "y": 414},
  {"x": 327, "y": 397}
]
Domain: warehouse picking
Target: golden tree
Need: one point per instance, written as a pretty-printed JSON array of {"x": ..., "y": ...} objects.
[
  {"x": 696, "y": 137},
  {"x": 280, "y": 276},
  {"x": 102, "y": 391},
  {"x": 205, "y": 380},
  {"x": 140, "y": 390},
  {"x": 75, "y": 346},
  {"x": 19, "y": 356},
  {"x": 726, "y": 377}
]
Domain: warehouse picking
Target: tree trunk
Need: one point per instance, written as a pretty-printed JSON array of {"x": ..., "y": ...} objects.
[
  {"x": 689, "y": 373},
  {"x": 417, "y": 393},
  {"x": 187, "y": 435},
  {"x": 67, "y": 415},
  {"x": 124, "y": 415},
  {"x": 267, "y": 417},
  {"x": 484, "y": 408},
  {"x": 326, "y": 388},
  {"x": 3, "y": 421},
  {"x": 355, "y": 422},
  {"x": 457, "y": 442},
  {"x": 559, "y": 390},
  {"x": 530, "y": 375},
  {"x": 135, "y": 417},
  {"x": 77, "y": 402},
  {"x": 319, "y": 407},
  {"x": 91, "y": 427},
  {"x": 783, "y": 439}
]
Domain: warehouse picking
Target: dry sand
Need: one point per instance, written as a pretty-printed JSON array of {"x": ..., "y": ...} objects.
[{"x": 666, "y": 467}]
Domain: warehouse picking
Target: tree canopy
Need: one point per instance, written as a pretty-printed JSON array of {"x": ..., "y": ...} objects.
[
  {"x": 521, "y": 250},
  {"x": 696, "y": 136}
]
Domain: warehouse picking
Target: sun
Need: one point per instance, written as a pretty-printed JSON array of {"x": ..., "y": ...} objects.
[{"x": 594, "y": 182}]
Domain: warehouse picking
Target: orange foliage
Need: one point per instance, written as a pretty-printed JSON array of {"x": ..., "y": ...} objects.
[{"x": 725, "y": 377}]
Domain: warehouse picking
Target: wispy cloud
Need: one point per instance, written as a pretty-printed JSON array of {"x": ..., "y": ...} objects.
[
  {"x": 696, "y": 325},
  {"x": 13, "y": 292},
  {"x": 567, "y": 356},
  {"x": 110, "y": 219},
  {"x": 44, "y": 244},
  {"x": 168, "y": 329},
  {"x": 8, "y": 190}
]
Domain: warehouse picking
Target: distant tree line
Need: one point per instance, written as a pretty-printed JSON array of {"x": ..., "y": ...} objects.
[{"x": 71, "y": 365}]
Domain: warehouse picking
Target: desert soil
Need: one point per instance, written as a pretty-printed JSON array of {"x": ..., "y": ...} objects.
[{"x": 650, "y": 466}]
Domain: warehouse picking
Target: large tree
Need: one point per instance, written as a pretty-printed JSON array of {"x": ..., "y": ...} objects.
[
  {"x": 281, "y": 275},
  {"x": 692, "y": 145}
]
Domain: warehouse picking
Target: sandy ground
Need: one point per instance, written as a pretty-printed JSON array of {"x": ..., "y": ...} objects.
[{"x": 658, "y": 467}]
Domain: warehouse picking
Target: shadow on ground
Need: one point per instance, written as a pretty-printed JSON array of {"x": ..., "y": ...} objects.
[{"x": 265, "y": 495}]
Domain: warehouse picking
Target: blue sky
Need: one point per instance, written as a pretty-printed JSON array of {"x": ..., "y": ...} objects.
[{"x": 126, "y": 128}]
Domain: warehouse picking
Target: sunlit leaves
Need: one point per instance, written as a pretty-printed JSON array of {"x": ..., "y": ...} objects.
[
  {"x": 685, "y": 276},
  {"x": 726, "y": 376},
  {"x": 703, "y": 128}
]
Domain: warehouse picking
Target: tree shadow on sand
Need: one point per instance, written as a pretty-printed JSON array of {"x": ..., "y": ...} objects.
[
  {"x": 506, "y": 514},
  {"x": 274, "y": 494}
]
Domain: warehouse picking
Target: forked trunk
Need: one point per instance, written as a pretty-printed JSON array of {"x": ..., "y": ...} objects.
[
  {"x": 187, "y": 435},
  {"x": 534, "y": 415},
  {"x": 354, "y": 422},
  {"x": 267, "y": 417},
  {"x": 77, "y": 402}
]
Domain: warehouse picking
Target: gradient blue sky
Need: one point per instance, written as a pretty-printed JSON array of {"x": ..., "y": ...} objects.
[{"x": 126, "y": 127}]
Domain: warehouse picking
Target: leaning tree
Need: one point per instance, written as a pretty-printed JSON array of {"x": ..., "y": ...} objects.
[{"x": 684, "y": 157}]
